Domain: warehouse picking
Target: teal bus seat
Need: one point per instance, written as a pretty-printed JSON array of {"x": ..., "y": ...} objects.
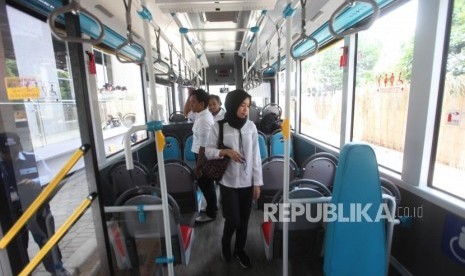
[
  {"x": 277, "y": 144},
  {"x": 357, "y": 247},
  {"x": 189, "y": 157},
  {"x": 262, "y": 143}
]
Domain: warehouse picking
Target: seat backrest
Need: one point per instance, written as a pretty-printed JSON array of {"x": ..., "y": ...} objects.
[
  {"x": 262, "y": 143},
  {"x": 177, "y": 117},
  {"x": 328, "y": 155},
  {"x": 180, "y": 184},
  {"x": 305, "y": 235},
  {"x": 172, "y": 149},
  {"x": 254, "y": 113},
  {"x": 189, "y": 157},
  {"x": 271, "y": 108},
  {"x": 321, "y": 169},
  {"x": 122, "y": 180},
  {"x": 272, "y": 171},
  {"x": 149, "y": 224},
  {"x": 277, "y": 144},
  {"x": 356, "y": 247}
]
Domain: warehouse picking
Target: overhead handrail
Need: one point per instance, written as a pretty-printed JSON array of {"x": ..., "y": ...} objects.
[
  {"x": 145, "y": 14},
  {"x": 42, "y": 197},
  {"x": 53, "y": 240},
  {"x": 303, "y": 37},
  {"x": 75, "y": 8},
  {"x": 287, "y": 13},
  {"x": 159, "y": 59},
  {"x": 350, "y": 30},
  {"x": 129, "y": 41}
]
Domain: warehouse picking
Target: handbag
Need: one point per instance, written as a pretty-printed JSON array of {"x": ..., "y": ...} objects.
[{"x": 214, "y": 169}]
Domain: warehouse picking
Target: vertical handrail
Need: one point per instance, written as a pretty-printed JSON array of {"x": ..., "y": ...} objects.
[
  {"x": 75, "y": 8},
  {"x": 285, "y": 127},
  {"x": 42, "y": 197},
  {"x": 362, "y": 27},
  {"x": 53, "y": 240}
]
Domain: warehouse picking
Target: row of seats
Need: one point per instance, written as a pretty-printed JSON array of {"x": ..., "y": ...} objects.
[
  {"x": 137, "y": 187},
  {"x": 342, "y": 243},
  {"x": 177, "y": 150},
  {"x": 320, "y": 167}
]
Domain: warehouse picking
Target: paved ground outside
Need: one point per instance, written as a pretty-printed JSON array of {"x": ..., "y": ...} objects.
[{"x": 63, "y": 205}]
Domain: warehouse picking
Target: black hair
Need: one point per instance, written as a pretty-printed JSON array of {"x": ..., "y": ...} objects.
[
  {"x": 217, "y": 98},
  {"x": 4, "y": 143},
  {"x": 201, "y": 96}
]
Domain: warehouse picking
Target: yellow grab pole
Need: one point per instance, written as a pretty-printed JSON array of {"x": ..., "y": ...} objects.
[
  {"x": 58, "y": 235},
  {"x": 43, "y": 196}
]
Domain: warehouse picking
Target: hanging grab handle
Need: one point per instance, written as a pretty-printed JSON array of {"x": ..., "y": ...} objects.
[
  {"x": 129, "y": 41},
  {"x": 75, "y": 8},
  {"x": 159, "y": 59},
  {"x": 303, "y": 37},
  {"x": 349, "y": 3}
]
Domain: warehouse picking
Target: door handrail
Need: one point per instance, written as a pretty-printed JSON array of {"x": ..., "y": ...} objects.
[
  {"x": 53, "y": 240},
  {"x": 42, "y": 197}
]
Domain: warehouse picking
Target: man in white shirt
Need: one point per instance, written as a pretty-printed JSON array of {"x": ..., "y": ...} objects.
[{"x": 201, "y": 130}]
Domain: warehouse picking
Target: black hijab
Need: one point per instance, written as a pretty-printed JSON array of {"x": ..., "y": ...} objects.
[{"x": 233, "y": 100}]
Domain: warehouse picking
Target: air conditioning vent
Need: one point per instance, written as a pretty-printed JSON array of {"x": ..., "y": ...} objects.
[{"x": 173, "y": 6}]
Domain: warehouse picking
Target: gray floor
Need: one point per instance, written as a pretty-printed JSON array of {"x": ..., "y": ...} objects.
[{"x": 205, "y": 256}]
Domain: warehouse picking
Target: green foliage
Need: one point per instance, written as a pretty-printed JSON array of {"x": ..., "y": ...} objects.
[
  {"x": 65, "y": 85},
  {"x": 11, "y": 68},
  {"x": 405, "y": 63},
  {"x": 456, "y": 58}
]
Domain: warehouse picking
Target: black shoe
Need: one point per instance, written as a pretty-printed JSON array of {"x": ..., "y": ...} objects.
[
  {"x": 225, "y": 254},
  {"x": 243, "y": 259}
]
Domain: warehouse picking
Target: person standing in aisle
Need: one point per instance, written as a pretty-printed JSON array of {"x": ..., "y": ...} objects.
[
  {"x": 241, "y": 182},
  {"x": 201, "y": 129}
]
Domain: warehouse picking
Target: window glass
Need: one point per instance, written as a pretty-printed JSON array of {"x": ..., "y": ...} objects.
[
  {"x": 120, "y": 98},
  {"x": 223, "y": 90},
  {"x": 38, "y": 105},
  {"x": 322, "y": 95},
  {"x": 449, "y": 167},
  {"x": 383, "y": 72},
  {"x": 282, "y": 94}
]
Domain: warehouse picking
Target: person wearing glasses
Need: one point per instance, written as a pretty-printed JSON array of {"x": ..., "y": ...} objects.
[
  {"x": 241, "y": 182},
  {"x": 20, "y": 175}
]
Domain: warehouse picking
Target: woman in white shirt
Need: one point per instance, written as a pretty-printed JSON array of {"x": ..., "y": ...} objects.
[
  {"x": 214, "y": 105},
  {"x": 242, "y": 180}
]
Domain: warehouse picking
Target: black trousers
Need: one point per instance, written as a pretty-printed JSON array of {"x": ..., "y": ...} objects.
[
  {"x": 237, "y": 205},
  {"x": 38, "y": 228},
  {"x": 207, "y": 186}
]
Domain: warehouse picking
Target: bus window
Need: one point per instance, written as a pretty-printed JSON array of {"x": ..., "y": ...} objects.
[
  {"x": 383, "y": 72},
  {"x": 321, "y": 98},
  {"x": 449, "y": 166},
  {"x": 120, "y": 98}
]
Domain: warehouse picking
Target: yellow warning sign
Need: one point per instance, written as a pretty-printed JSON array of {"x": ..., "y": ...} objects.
[{"x": 21, "y": 88}]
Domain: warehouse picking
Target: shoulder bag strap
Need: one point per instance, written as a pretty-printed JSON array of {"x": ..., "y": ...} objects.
[{"x": 220, "y": 135}]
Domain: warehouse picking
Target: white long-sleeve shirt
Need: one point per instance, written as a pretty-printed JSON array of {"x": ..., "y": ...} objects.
[
  {"x": 201, "y": 129},
  {"x": 238, "y": 175},
  {"x": 219, "y": 115}
]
